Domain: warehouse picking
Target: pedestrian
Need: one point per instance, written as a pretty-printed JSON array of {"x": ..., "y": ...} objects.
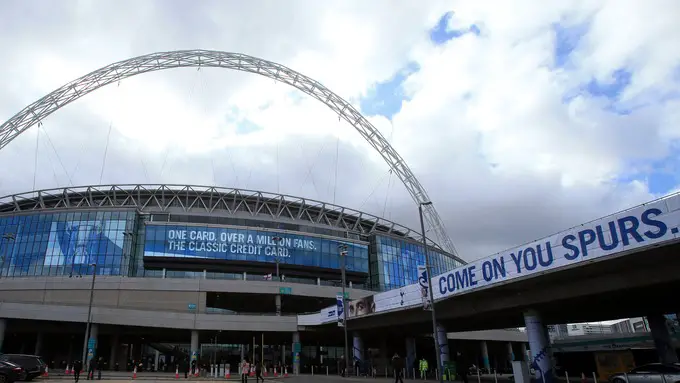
[
  {"x": 185, "y": 367},
  {"x": 398, "y": 366},
  {"x": 77, "y": 366},
  {"x": 423, "y": 367},
  {"x": 258, "y": 372},
  {"x": 245, "y": 370},
  {"x": 462, "y": 367}
]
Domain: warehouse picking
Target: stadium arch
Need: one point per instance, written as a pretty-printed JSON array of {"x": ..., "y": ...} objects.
[{"x": 38, "y": 110}]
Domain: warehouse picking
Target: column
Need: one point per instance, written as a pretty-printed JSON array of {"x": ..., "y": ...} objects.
[
  {"x": 113, "y": 358},
  {"x": 3, "y": 326},
  {"x": 358, "y": 344},
  {"x": 92, "y": 344},
  {"x": 540, "y": 348},
  {"x": 485, "y": 355},
  {"x": 511, "y": 353},
  {"x": 524, "y": 351},
  {"x": 318, "y": 281},
  {"x": 283, "y": 355},
  {"x": 662, "y": 339},
  {"x": 410, "y": 354},
  {"x": 194, "y": 345},
  {"x": 296, "y": 353},
  {"x": 278, "y": 304},
  {"x": 443, "y": 344},
  {"x": 156, "y": 360},
  {"x": 38, "y": 343}
]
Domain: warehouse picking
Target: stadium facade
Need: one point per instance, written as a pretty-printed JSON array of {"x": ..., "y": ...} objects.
[{"x": 189, "y": 270}]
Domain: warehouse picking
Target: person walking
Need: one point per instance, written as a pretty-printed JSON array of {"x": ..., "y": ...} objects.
[
  {"x": 184, "y": 365},
  {"x": 258, "y": 372},
  {"x": 245, "y": 370},
  {"x": 423, "y": 367},
  {"x": 77, "y": 366},
  {"x": 462, "y": 367},
  {"x": 398, "y": 366}
]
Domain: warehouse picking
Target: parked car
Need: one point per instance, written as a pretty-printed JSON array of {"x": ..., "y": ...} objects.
[
  {"x": 650, "y": 373},
  {"x": 10, "y": 372},
  {"x": 32, "y": 365}
]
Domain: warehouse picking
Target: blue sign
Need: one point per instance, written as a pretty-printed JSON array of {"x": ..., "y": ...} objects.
[
  {"x": 285, "y": 290},
  {"x": 340, "y": 309},
  {"x": 191, "y": 306},
  {"x": 219, "y": 243}
]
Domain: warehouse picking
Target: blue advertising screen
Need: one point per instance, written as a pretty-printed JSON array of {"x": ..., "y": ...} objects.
[{"x": 232, "y": 244}]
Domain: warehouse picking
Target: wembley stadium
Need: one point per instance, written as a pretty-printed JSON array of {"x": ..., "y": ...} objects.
[{"x": 168, "y": 271}]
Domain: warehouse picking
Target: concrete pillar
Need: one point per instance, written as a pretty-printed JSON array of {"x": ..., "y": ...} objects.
[
  {"x": 245, "y": 276},
  {"x": 485, "y": 355},
  {"x": 358, "y": 349},
  {"x": 540, "y": 348},
  {"x": 511, "y": 353},
  {"x": 410, "y": 353},
  {"x": 318, "y": 281},
  {"x": 283, "y": 355},
  {"x": 38, "y": 344},
  {"x": 662, "y": 339},
  {"x": 296, "y": 353},
  {"x": 113, "y": 358},
  {"x": 524, "y": 351},
  {"x": 3, "y": 326},
  {"x": 194, "y": 345},
  {"x": 163, "y": 275},
  {"x": 350, "y": 284},
  {"x": 443, "y": 344},
  {"x": 156, "y": 360},
  {"x": 278, "y": 304},
  {"x": 94, "y": 335}
]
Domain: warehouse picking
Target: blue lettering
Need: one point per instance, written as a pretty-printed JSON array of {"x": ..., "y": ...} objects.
[
  {"x": 487, "y": 271},
  {"x": 647, "y": 220},
  {"x": 498, "y": 268},
  {"x": 462, "y": 279},
  {"x": 601, "y": 237},
  {"x": 442, "y": 285},
  {"x": 451, "y": 282},
  {"x": 548, "y": 251},
  {"x": 530, "y": 252},
  {"x": 585, "y": 238},
  {"x": 566, "y": 243},
  {"x": 632, "y": 230},
  {"x": 472, "y": 276},
  {"x": 517, "y": 259}
]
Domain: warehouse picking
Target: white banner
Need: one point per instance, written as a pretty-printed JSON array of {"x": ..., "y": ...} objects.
[
  {"x": 340, "y": 310},
  {"x": 424, "y": 287}
]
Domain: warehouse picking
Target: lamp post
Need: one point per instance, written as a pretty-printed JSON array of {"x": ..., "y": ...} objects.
[
  {"x": 7, "y": 237},
  {"x": 343, "y": 255},
  {"x": 277, "y": 240},
  {"x": 429, "y": 288},
  {"x": 89, "y": 316}
]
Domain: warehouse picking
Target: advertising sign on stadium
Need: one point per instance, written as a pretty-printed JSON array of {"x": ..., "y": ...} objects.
[{"x": 653, "y": 223}]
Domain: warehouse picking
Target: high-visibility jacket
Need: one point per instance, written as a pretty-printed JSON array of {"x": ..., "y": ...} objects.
[{"x": 423, "y": 365}]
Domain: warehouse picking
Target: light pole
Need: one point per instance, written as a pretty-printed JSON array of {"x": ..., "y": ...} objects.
[
  {"x": 343, "y": 254},
  {"x": 89, "y": 316},
  {"x": 7, "y": 237},
  {"x": 277, "y": 240},
  {"x": 437, "y": 349}
]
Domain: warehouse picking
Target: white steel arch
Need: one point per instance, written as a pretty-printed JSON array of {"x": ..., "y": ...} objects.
[{"x": 38, "y": 110}]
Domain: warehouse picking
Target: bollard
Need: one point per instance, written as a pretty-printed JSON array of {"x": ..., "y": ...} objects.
[
  {"x": 566, "y": 375},
  {"x": 594, "y": 377},
  {"x": 326, "y": 370},
  {"x": 495, "y": 376}
]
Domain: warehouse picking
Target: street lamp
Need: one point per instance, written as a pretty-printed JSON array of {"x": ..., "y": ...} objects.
[
  {"x": 277, "y": 240},
  {"x": 429, "y": 288},
  {"x": 343, "y": 255},
  {"x": 89, "y": 316},
  {"x": 7, "y": 237}
]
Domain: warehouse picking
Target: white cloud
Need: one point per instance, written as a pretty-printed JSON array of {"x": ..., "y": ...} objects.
[{"x": 485, "y": 128}]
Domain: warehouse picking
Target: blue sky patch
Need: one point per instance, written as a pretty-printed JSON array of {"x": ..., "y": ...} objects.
[
  {"x": 385, "y": 98},
  {"x": 441, "y": 33},
  {"x": 567, "y": 39},
  {"x": 246, "y": 127}
]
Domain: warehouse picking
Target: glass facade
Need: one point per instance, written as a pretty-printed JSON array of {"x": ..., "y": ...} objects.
[
  {"x": 231, "y": 244},
  {"x": 67, "y": 243},
  {"x": 394, "y": 262}
]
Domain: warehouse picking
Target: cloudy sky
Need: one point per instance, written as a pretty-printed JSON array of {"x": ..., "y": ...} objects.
[{"x": 520, "y": 118}]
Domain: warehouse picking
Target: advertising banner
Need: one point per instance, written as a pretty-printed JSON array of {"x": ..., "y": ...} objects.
[
  {"x": 424, "y": 287},
  {"x": 340, "y": 309}
]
